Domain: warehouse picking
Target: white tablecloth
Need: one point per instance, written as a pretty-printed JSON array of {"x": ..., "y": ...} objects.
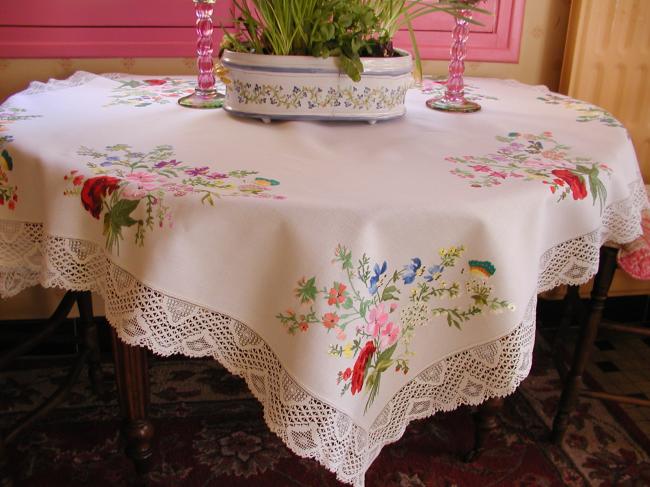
[{"x": 358, "y": 277}]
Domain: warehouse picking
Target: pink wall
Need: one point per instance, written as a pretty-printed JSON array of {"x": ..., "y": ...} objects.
[{"x": 164, "y": 28}]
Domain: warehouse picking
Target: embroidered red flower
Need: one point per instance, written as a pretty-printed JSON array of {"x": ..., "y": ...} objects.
[
  {"x": 155, "y": 82},
  {"x": 336, "y": 295},
  {"x": 575, "y": 182},
  {"x": 359, "y": 368},
  {"x": 347, "y": 374},
  {"x": 330, "y": 320},
  {"x": 95, "y": 190}
]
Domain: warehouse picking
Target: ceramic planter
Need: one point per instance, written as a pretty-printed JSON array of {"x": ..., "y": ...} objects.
[{"x": 308, "y": 88}]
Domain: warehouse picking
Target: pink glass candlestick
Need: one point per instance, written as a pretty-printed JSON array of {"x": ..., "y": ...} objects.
[
  {"x": 454, "y": 98},
  {"x": 205, "y": 95}
]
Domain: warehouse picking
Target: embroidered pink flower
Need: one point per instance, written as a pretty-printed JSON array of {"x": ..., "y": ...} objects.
[
  {"x": 131, "y": 192},
  {"x": 178, "y": 189},
  {"x": 377, "y": 318},
  {"x": 143, "y": 180},
  {"x": 481, "y": 168},
  {"x": 340, "y": 334},
  {"x": 389, "y": 335},
  {"x": 553, "y": 155}
]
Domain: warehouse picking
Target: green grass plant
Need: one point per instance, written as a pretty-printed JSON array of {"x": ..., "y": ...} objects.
[{"x": 347, "y": 29}]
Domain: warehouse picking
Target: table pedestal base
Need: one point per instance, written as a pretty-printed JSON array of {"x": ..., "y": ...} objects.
[{"x": 132, "y": 377}]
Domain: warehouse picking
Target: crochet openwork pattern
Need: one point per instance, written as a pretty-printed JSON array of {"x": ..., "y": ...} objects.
[{"x": 148, "y": 317}]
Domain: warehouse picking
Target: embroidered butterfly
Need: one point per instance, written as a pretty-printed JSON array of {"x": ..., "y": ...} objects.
[{"x": 6, "y": 162}]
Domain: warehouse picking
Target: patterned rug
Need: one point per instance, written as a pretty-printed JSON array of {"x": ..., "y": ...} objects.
[{"x": 211, "y": 433}]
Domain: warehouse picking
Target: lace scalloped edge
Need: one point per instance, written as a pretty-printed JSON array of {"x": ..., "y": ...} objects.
[
  {"x": 76, "y": 79},
  {"x": 311, "y": 428}
]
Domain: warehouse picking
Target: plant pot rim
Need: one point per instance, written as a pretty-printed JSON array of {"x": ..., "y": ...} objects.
[{"x": 372, "y": 66}]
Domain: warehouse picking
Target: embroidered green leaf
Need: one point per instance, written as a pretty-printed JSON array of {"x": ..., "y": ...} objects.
[
  {"x": 390, "y": 292},
  {"x": 207, "y": 198},
  {"x": 120, "y": 214},
  {"x": 384, "y": 360},
  {"x": 306, "y": 291},
  {"x": 344, "y": 256}
]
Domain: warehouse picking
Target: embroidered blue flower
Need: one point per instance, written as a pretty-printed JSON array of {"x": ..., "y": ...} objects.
[
  {"x": 432, "y": 272},
  {"x": 109, "y": 161},
  {"x": 374, "y": 279},
  {"x": 411, "y": 270}
]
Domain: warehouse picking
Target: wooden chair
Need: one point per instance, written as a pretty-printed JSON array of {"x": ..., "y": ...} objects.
[
  {"x": 89, "y": 354},
  {"x": 573, "y": 385}
]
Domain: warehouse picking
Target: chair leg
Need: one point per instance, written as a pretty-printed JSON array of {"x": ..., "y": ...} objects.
[
  {"x": 588, "y": 332},
  {"x": 16, "y": 429},
  {"x": 5, "y": 478},
  {"x": 486, "y": 421},
  {"x": 91, "y": 343},
  {"x": 570, "y": 310},
  {"x": 570, "y": 304},
  {"x": 132, "y": 377}
]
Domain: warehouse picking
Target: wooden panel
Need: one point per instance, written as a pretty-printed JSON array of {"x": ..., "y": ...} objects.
[
  {"x": 607, "y": 62},
  {"x": 102, "y": 13},
  {"x": 498, "y": 40},
  {"x": 79, "y": 42},
  {"x": 164, "y": 28},
  {"x": 102, "y": 28},
  {"x": 444, "y": 22}
]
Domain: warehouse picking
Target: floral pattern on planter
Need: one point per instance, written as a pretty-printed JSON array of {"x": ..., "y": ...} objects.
[
  {"x": 530, "y": 157},
  {"x": 374, "y": 312},
  {"x": 157, "y": 91},
  {"x": 131, "y": 189},
  {"x": 437, "y": 87},
  {"x": 314, "y": 97},
  {"x": 587, "y": 112},
  {"x": 9, "y": 191}
]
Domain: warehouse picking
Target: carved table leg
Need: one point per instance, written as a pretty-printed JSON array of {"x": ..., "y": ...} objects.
[
  {"x": 91, "y": 343},
  {"x": 132, "y": 377},
  {"x": 486, "y": 421},
  {"x": 588, "y": 331}
]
